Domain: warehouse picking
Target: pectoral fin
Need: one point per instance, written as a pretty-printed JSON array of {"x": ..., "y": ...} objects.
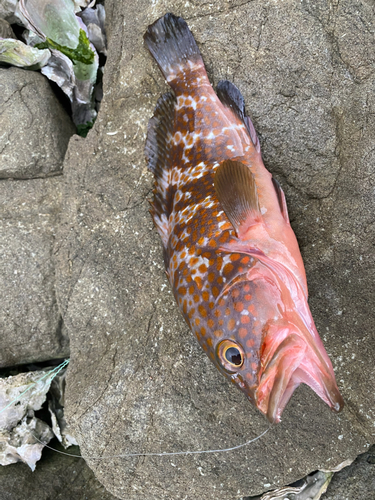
[{"x": 237, "y": 193}]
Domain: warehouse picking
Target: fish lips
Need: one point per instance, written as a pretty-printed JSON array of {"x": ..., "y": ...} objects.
[{"x": 293, "y": 363}]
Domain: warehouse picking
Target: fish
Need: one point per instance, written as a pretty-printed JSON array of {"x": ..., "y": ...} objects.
[{"x": 230, "y": 253}]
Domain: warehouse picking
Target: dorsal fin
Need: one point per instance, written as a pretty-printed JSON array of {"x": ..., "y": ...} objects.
[
  {"x": 281, "y": 199},
  {"x": 157, "y": 152},
  {"x": 231, "y": 97},
  {"x": 159, "y": 128},
  {"x": 237, "y": 193}
]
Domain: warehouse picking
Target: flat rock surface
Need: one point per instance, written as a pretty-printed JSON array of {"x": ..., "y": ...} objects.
[
  {"x": 34, "y": 127},
  {"x": 138, "y": 382},
  {"x": 30, "y": 323},
  {"x": 56, "y": 476}
]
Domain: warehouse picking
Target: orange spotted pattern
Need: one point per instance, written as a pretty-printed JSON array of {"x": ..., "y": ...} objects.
[{"x": 209, "y": 285}]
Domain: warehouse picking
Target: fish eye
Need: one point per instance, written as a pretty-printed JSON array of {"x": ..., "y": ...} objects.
[
  {"x": 233, "y": 356},
  {"x": 230, "y": 355}
]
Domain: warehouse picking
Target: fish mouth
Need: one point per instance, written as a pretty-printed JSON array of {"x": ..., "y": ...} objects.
[{"x": 295, "y": 362}]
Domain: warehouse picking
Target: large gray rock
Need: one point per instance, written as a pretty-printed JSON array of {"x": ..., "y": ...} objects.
[
  {"x": 137, "y": 381},
  {"x": 30, "y": 323},
  {"x": 34, "y": 127}
]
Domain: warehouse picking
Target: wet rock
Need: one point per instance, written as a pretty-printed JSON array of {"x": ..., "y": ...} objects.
[
  {"x": 354, "y": 482},
  {"x": 30, "y": 323},
  {"x": 56, "y": 476},
  {"x": 138, "y": 382},
  {"x": 35, "y": 129}
]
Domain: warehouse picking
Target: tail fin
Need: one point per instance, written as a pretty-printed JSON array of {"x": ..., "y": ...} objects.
[{"x": 172, "y": 45}]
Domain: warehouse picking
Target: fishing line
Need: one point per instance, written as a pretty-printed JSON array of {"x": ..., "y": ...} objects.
[
  {"x": 53, "y": 374},
  {"x": 161, "y": 454}
]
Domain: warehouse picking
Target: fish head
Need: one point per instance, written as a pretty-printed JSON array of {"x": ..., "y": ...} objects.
[
  {"x": 268, "y": 346},
  {"x": 235, "y": 342}
]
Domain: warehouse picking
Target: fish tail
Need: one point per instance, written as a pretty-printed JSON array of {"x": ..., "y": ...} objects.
[{"x": 173, "y": 47}]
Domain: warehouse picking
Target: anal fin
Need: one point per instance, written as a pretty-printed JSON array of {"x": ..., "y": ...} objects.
[{"x": 237, "y": 193}]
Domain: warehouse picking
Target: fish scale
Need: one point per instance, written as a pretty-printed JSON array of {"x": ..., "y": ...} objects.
[
  {"x": 230, "y": 254},
  {"x": 198, "y": 227}
]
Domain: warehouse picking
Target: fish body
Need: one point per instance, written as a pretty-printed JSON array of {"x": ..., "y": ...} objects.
[{"x": 230, "y": 254}]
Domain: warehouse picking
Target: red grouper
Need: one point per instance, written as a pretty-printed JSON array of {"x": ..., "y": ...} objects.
[{"x": 230, "y": 253}]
